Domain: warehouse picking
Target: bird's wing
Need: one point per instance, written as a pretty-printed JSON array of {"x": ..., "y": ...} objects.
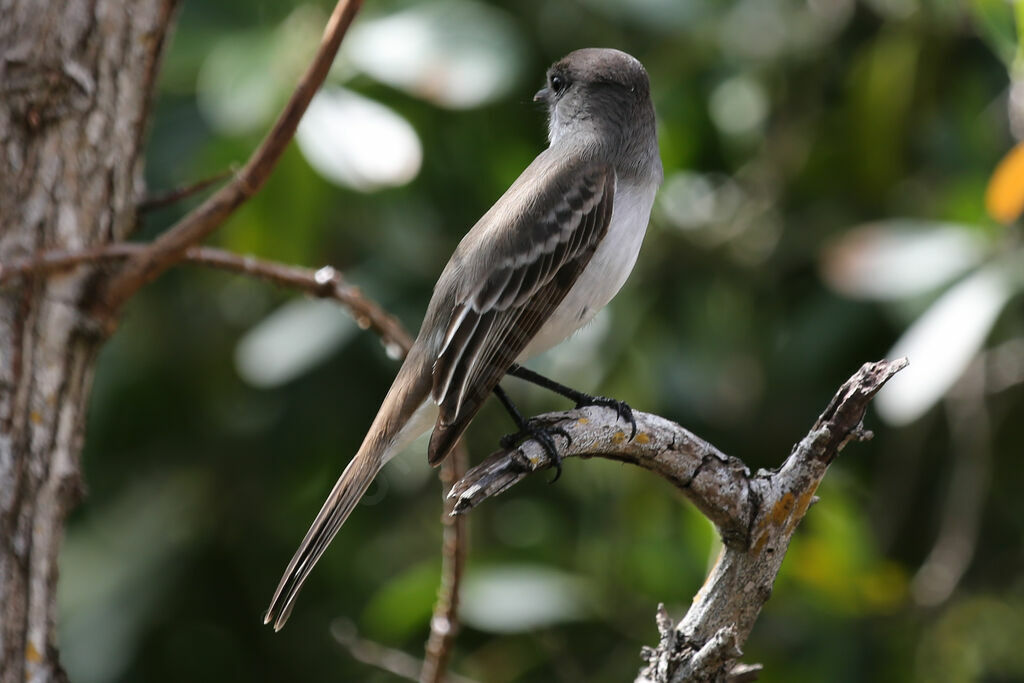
[{"x": 540, "y": 252}]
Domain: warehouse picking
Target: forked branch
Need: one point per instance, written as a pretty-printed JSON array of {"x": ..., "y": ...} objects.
[{"x": 756, "y": 514}]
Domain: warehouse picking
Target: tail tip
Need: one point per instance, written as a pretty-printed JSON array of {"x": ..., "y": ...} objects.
[{"x": 277, "y": 620}]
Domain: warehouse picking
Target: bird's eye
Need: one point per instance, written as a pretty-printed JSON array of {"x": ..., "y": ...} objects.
[{"x": 557, "y": 84}]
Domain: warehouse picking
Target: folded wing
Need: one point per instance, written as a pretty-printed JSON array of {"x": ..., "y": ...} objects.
[{"x": 492, "y": 323}]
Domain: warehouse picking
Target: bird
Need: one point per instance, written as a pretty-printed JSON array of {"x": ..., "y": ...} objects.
[{"x": 548, "y": 255}]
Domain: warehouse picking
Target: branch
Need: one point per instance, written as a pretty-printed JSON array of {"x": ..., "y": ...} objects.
[
  {"x": 396, "y": 662},
  {"x": 325, "y": 283},
  {"x": 970, "y": 477},
  {"x": 162, "y": 199},
  {"x": 755, "y": 514},
  {"x": 717, "y": 484},
  {"x": 172, "y": 245},
  {"x": 444, "y": 624},
  {"x": 54, "y": 260}
]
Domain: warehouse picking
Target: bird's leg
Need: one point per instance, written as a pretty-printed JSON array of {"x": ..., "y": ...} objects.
[
  {"x": 532, "y": 429},
  {"x": 621, "y": 408}
]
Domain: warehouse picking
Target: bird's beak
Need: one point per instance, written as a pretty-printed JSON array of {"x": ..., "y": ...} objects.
[{"x": 542, "y": 95}]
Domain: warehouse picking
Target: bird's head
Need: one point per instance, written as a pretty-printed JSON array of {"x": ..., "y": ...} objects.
[{"x": 596, "y": 89}]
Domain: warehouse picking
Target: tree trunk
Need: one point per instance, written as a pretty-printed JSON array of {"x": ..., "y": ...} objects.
[{"x": 76, "y": 79}]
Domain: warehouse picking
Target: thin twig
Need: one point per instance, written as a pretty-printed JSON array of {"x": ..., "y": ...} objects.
[
  {"x": 162, "y": 199},
  {"x": 388, "y": 659},
  {"x": 46, "y": 262},
  {"x": 1004, "y": 366},
  {"x": 171, "y": 246},
  {"x": 325, "y": 283},
  {"x": 444, "y": 624},
  {"x": 969, "y": 481}
]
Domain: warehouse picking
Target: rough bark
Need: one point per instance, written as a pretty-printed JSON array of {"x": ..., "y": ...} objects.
[
  {"x": 755, "y": 513},
  {"x": 76, "y": 79}
]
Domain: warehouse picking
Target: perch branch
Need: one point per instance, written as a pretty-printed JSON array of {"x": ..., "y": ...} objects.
[
  {"x": 716, "y": 483},
  {"x": 171, "y": 246},
  {"x": 756, "y": 514}
]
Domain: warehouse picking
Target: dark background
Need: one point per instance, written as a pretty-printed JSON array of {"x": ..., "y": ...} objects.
[{"x": 826, "y": 166}]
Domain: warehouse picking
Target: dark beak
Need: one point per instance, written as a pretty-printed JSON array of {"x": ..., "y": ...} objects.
[{"x": 542, "y": 95}]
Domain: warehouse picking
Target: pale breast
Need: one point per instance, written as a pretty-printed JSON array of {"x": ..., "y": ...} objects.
[{"x": 607, "y": 271}]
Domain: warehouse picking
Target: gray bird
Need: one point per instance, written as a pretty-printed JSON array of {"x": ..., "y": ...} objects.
[{"x": 550, "y": 254}]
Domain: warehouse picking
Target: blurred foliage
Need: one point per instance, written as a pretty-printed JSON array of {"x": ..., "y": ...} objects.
[{"x": 826, "y": 173}]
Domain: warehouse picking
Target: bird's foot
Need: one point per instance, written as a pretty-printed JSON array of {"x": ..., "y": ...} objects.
[
  {"x": 544, "y": 433},
  {"x": 621, "y": 408}
]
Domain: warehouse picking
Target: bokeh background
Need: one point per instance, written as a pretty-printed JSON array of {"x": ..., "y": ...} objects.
[{"x": 829, "y": 196}]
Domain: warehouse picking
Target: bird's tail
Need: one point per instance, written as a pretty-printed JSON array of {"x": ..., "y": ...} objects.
[{"x": 404, "y": 415}]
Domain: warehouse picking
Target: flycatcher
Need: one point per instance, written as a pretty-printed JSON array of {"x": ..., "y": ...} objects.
[{"x": 553, "y": 250}]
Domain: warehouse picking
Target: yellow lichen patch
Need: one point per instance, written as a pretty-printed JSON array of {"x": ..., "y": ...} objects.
[
  {"x": 583, "y": 421},
  {"x": 618, "y": 437},
  {"x": 642, "y": 438},
  {"x": 784, "y": 515},
  {"x": 32, "y": 654},
  {"x": 802, "y": 504},
  {"x": 35, "y": 417},
  {"x": 782, "y": 509},
  {"x": 758, "y": 544}
]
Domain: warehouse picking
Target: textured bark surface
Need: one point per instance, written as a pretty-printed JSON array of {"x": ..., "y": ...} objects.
[
  {"x": 755, "y": 513},
  {"x": 75, "y": 84}
]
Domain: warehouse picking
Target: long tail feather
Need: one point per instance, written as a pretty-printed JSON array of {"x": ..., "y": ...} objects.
[
  {"x": 346, "y": 493},
  {"x": 406, "y": 412}
]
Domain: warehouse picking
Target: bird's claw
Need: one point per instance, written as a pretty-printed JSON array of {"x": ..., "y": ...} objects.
[
  {"x": 543, "y": 433},
  {"x": 621, "y": 408}
]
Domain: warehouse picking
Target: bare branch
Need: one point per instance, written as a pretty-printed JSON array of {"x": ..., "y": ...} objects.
[
  {"x": 54, "y": 260},
  {"x": 326, "y": 283},
  {"x": 397, "y": 662},
  {"x": 970, "y": 478},
  {"x": 707, "y": 663},
  {"x": 742, "y": 578},
  {"x": 716, "y": 483},
  {"x": 444, "y": 625},
  {"x": 171, "y": 246},
  {"x": 659, "y": 659},
  {"x": 743, "y": 673},
  {"x": 1004, "y": 366},
  {"x": 756, "y": 514},
  {"x": 162, "y": 199}
]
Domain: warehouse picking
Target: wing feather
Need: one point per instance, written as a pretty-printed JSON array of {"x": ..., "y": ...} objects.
[
  {"x": 492, "y": 323},
  {"x": 458, "y": 339}
]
